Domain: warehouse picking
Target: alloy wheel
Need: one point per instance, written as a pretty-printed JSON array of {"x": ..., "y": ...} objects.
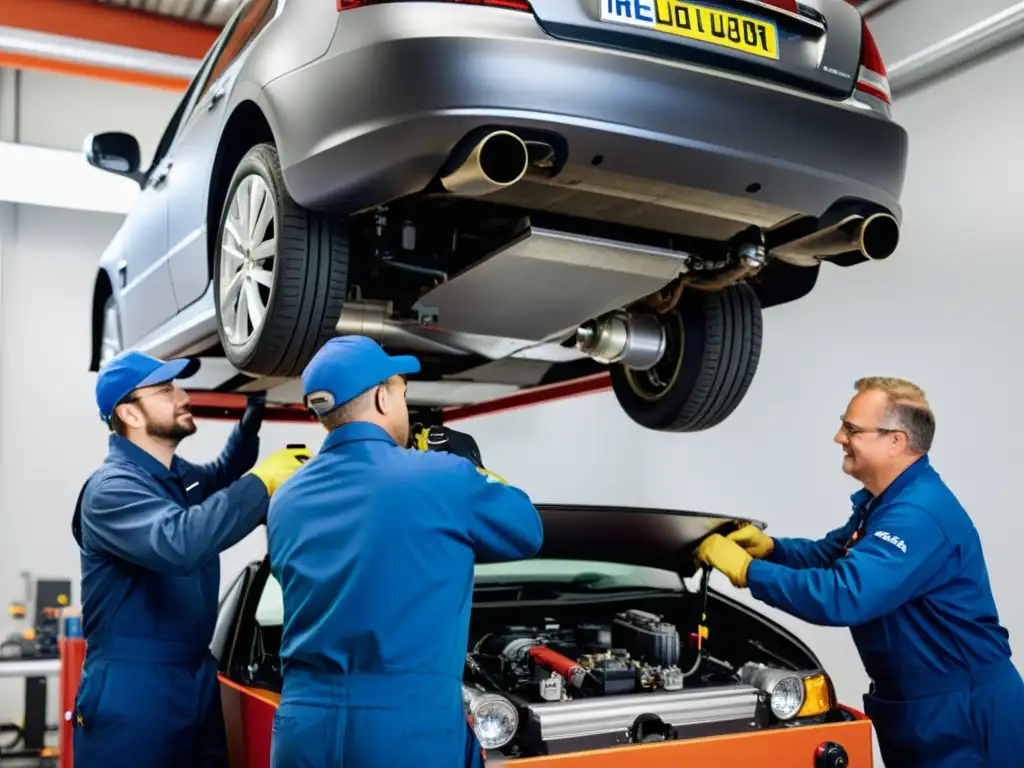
[{"x": 248, "y": 251}]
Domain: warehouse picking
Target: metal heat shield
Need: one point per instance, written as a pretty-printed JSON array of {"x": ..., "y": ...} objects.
[{"x": 544, "y": 284}]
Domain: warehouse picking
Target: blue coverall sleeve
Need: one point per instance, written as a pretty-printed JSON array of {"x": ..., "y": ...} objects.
[
  {"x": 811, "y": 553},
  {"x": 503, "y": 523},
  {"x": 889, "y": 567},
  {"x": 129, "y": 519},
  {"x": 238, "y": 457}
]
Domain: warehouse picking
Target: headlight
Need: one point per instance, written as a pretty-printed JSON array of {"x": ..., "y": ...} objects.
[
  {"x": 792, "y": 694},
  {"x": 492, "y": 716},
  {"x": 787, "y": 697}
]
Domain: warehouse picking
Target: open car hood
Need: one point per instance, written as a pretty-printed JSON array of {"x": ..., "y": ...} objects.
[{"x": 654, "y": 538}]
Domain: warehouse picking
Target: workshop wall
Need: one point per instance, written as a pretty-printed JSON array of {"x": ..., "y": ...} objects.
[
  {"x": 59, "y": 111},
  {"x": 907, "y": 27}
]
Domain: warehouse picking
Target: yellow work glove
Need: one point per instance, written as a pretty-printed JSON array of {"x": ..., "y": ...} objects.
[
  {"x": 725, "y": 556},
  {"x": 491, "y": 476},
  {"x": 459, "y": 443},
  {"x": 278, "y": 467},
  {"x": 448, "y": 440},
  {"x": 753, "y": 541}
]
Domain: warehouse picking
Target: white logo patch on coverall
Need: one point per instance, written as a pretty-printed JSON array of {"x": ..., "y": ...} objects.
[{"x": 896, "y": 541}]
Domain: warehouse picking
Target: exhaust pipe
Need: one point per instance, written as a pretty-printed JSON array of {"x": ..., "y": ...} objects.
[
  {"x": 498, "y": 160},
  {"x": 874, "y": 237},
  {"x": 373, "y": 319}
]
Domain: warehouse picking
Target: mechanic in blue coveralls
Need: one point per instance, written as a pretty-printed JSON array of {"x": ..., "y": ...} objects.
[
  {"x": 374, "y": 544},
  {"x": 907, "y": 574},
  {"x": 151, "y": 527}
]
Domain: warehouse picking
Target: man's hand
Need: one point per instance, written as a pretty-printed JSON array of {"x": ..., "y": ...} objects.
[
  {"x": 278, "y": 467},
  {"x": 725, "y": 556},
  {"x": 252, "y": 418},
  {"x": 756, "y": 544},
  {"x": 450, "y": 441}
]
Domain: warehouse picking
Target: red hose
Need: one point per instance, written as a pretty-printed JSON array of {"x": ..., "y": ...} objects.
[{"x": 553, "y": 661}]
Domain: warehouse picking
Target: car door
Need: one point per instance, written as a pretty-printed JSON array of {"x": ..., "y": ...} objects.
[
  {"x": 143, "y": 282},
  {"x": 143, "y": 278},
  {"x": 196, "y": 148}
]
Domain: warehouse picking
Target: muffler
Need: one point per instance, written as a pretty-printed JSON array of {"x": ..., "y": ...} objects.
[
  {"x": 498, "y": 160},
  {"x": 874, "y": 237},
  {"x": 635, "y": 341}
]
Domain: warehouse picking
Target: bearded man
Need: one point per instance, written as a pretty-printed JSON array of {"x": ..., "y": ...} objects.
[{"x": 151, "y": 527}]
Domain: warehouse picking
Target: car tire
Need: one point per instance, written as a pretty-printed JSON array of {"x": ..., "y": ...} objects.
[
  {"x": 109, "y": 333},
  {"x": 301, "y": 295},
  {"x": 713, "y": 346}
]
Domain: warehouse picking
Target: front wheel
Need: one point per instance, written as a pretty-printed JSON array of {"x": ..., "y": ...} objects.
[
  {"x": 110, "y": 333},
  {"x": 280, "y": 272},
  {"x": 713, "y": 346}
]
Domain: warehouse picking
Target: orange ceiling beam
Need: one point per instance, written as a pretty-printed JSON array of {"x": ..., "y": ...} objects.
[
  {"x": 110, "y": 74},
  {"x": 101, "y": 23}
]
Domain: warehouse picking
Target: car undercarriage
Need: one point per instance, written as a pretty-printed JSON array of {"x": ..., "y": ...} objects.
[
  {"x": 469, "y": 272},
  {"x": 544, "y": 191}
]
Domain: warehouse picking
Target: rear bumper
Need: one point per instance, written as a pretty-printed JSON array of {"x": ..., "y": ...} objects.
[{"x": 376, "y": 117}]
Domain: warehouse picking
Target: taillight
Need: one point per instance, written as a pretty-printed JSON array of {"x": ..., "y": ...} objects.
[
  {"x": 785, "y": 5},
  {"x": 511, "y": 5},
  {"x": 872, "y": 77}
]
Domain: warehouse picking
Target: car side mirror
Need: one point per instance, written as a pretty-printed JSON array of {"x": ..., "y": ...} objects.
[{"x": 116, "y": 153}]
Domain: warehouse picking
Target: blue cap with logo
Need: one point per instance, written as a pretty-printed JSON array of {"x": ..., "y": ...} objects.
[
  {"x": 347, "y": 366},
  {"x": 131, "y": 370}
]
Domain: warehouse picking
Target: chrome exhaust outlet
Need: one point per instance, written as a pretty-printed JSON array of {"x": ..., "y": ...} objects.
[
  {"x": 879, "y": 236},
  {"x": 498, "y": 160},
  {"x": 874, "y": 237},
  {"x": 635, "y": 341}
]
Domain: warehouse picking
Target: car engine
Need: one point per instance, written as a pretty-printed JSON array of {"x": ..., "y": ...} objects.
[
  {"x": 550, "y": 689},
  {"x": 636, "y": 652}
]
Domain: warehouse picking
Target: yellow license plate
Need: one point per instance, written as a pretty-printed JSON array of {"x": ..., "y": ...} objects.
[{"x": 736, "y": 31}]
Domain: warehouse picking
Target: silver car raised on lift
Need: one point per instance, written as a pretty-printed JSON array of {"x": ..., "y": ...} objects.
[{"x": 518, "y": 191}]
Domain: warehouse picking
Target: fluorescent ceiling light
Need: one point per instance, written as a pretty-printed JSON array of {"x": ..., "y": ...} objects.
[{"x": 59, "y": 178}]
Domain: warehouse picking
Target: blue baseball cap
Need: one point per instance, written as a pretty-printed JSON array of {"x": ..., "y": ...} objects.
[
  {"x": 346, "y": 366},
  {"x": 131, "y": 370}
]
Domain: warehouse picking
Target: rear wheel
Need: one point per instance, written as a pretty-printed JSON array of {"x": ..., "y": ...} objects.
[
  {"x": 712, "y": 348},
  {"x": 280, "y": 272}
]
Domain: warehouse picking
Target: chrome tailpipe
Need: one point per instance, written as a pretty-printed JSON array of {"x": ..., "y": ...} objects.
[
  {"x": 635, "y": 341},
  {"x": 874, "y": 237},
  {"x": 498, "y": 160}
]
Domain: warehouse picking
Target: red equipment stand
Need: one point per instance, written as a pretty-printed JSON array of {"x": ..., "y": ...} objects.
[{"x": 72, "y": 656}]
